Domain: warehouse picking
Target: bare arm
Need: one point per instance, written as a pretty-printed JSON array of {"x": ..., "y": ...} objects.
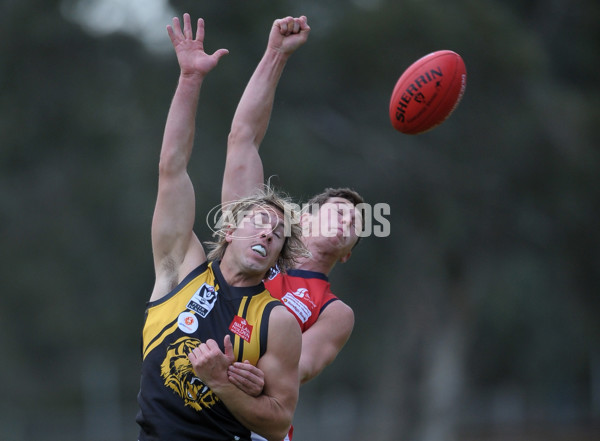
[
  {"x": 325, "y": 339},
  {"x": 320, "y": 345},
  {"x": 175, "y": 247},
  {"x": 243, "y": 167},
  {"x": 270, "y": 414}
]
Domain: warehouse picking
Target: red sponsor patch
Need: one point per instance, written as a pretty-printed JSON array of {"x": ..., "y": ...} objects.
[{"x": 239, "y": 326}]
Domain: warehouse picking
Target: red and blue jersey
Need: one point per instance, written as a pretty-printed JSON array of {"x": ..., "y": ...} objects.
[{"x": 304, "y": 293}]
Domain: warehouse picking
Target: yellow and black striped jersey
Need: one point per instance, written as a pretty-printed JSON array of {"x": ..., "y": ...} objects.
[{"x": 174, "y": 404}]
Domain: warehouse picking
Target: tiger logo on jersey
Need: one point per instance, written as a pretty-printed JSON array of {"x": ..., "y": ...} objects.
[{"x": 177, "y": 371}]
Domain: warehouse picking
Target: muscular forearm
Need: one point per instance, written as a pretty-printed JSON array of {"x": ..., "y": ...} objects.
[
  {"x": 179, "y": 132},
  {"x": 252, "y": 115},
  {"x": 309, "y": 368},
  {"x": 263, "y": 414},
  {"x": 243, "y": 167},
  {"x": 324, "y": 340}
]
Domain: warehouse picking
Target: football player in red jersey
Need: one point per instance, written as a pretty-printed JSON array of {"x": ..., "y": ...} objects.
[{"x": 330, "y": 224}]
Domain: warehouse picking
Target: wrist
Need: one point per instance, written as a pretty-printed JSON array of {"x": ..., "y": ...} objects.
[
  {"x": 278, "y": 54},
  {"x": 191, "y": 77},
  {"x": 221, "y": 389}
]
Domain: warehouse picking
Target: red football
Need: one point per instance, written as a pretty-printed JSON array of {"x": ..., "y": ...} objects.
[{"x": 427, "y": 92}]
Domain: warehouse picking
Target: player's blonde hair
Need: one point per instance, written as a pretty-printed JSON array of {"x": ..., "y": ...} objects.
[{"x": 293, "y": 247}]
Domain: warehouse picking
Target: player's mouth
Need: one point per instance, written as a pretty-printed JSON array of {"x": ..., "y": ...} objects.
[{"x": 260, "y": 250}]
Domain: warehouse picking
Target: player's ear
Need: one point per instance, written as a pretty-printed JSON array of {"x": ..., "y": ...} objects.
[{"x": 229, "y": 229}]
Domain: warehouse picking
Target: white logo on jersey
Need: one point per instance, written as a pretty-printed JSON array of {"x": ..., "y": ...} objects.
[
  {"x": 296, "y": 306},
  {"x": 187, "y": 322},
  {"x": 273, "y": 271},
  {"x": 203, "y": 300},
  {"x": 301, "y": 292}
]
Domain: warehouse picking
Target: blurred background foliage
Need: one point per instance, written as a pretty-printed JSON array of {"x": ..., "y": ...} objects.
[{"x": 476, "y": 319}]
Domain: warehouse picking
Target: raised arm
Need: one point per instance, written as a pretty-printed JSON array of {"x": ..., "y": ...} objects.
[
  {"x": 270, "y": 414},
  {"x": 243, "y": 166},
  {"x": 175, "y": 247}
]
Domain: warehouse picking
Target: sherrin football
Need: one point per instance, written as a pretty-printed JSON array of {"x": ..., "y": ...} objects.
[{"x": 428, "y": 92}]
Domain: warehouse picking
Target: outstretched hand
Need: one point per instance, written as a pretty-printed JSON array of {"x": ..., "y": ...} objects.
[
  {"x": 190, "y": 51},
  {"x": 288, "y": 34}
]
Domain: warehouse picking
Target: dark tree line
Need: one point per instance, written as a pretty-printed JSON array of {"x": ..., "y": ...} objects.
[{"x": 477, "y": 314}]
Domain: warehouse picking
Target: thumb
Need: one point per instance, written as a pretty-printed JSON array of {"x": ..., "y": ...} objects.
[
  {"x": 228, "y": 348},
  {"x": 219, "y": 53}
]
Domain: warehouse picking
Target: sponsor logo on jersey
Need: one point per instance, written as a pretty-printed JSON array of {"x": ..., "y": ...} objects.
[
  {"x": 187, "y": 322},
  {"x": 203, "y": 300},
  {"x": 296, "y": 306},
  {"x": 239, "y": 326},
  {"x": 303, "y": 294}
]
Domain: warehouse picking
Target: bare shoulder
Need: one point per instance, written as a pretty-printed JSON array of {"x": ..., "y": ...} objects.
[
  {"x": 281, "y": 318},
  {"x": 338, "y": 311},
  {"x": 284, "y": 340}
]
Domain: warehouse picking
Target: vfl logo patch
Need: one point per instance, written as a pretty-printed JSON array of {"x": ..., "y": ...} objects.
[
  {"x": 273, "y": 271},
  {"x": 203, "y": 300},
  {"x": 239, "y": 326}
]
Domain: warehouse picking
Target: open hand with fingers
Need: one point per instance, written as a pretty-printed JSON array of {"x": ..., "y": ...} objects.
[{"x": 192, "y": 58}]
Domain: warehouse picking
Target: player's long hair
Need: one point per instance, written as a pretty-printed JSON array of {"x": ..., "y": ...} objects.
[{"x": 233, "y": 214}]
